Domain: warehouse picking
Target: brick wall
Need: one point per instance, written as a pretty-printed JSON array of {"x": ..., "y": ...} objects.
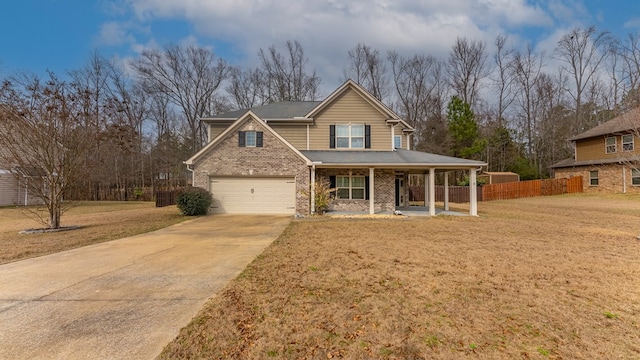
[
  {"x": 384, "y": 190},
  {"x": 273, "y": 159},
  {"x": 610, "y": 178}
]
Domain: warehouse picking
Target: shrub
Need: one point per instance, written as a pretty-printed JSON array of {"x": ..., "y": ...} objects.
[{"x": 193, "y": 201}]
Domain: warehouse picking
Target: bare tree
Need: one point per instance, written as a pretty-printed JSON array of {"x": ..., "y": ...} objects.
[
  {"x": 583, "y": 52},
  {"x": 45, "y": 138},
  {"x": 367, "y": 68},
  {"x": 247, "y": 88},
  {"x": 286, "y": 76},
  {"x": 504, "y": 77},
  {"x": 418, "y": 84},
  {"x": 528, "y": 67},
  {"x": 629, "y": 53},
  {"x": 189, "y": 76},
  {"x": 467, "y": 68}
]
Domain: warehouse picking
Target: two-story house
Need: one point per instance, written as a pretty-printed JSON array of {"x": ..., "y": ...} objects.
[
  {"x": 267, "y": 159},
  {"x": 606, "y": 156}
]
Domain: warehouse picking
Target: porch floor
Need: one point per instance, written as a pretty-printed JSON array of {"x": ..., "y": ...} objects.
[{"x": 413, "y": 211}]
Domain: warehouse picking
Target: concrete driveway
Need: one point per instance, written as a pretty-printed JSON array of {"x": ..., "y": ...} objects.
[{"x": 124, "y": 299}]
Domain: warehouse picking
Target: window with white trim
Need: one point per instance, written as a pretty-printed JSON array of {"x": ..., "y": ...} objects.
[
  {"x": 593, "y": 178},
  {"x": 610, "y": 145},
  {"x": 350, "y": 187},
  {"x": 627, "y": 142},
  {"x": 397, "y": 141},
  {"x": 635, "y": 177},
  {"x": 350, "y": 136}
]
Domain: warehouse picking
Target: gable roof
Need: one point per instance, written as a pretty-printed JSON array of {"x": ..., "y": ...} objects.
[
  {"x": 248, "y": 115},
  {"x": 352, "y": 85},
  {"x": 395, "y": 159},
  {"x": 626, "y": 122},
  {"x": 278, "y": 110}
]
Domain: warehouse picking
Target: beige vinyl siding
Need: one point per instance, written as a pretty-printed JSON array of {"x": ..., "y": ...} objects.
[
  {"x": 296, "y": 135},
  {"x": 350, "y": 108},
  {"x": 594, "y": 149},
  {"x": 216, "y": 129}
]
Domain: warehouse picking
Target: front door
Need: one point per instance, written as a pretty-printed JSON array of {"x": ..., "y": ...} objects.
[{"x": 399, "y": 191}]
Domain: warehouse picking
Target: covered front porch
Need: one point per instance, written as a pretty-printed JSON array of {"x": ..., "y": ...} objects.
[{"x": 375, "y": 181}]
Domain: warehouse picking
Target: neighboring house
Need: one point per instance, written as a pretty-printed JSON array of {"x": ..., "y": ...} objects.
[
  {"x": 14, "y": 189},
  {"x": 267, "y": 159},
  {"x": 606, "y": 156},
  {"x": 13, "y": 180}
]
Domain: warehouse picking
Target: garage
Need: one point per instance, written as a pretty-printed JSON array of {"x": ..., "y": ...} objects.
[{"x": 253, "y": 195}]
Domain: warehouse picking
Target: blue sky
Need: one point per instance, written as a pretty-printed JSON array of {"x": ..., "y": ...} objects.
[{"x": 59, "y": 35}]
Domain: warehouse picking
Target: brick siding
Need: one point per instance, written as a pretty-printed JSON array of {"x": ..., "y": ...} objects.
[
  {"x": 275, "y": 158},
  {"x": 384, "y": 190},
  {"x": 610, "y": 178}
]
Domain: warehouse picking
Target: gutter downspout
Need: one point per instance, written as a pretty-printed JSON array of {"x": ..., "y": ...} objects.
[
  {"x": 193, "y": 174},
  {"x": 624, "y": 179}
]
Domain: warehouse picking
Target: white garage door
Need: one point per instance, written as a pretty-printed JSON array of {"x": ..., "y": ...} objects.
[{"x": 251, "y": 195}]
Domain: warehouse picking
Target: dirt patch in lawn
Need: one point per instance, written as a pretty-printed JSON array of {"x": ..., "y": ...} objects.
[
  {"x": 98, "y": 222},
  {"x": 552, "y": 277}
]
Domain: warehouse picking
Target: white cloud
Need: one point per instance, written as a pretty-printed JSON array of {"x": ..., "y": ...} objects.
[
  {"x": 114, "y": 33},
  {"x": 328, "y": 29}
]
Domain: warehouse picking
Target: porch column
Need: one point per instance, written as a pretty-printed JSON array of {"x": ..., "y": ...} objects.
[
  {"x": 371, "y": 192},
  {"x": 313, "y": 189},
  {"x": 432, "y": 192},
  {"x": 446, "y": 191},
  {"x": 473, "y": 193},
  {"x": 426, "y": 190}
]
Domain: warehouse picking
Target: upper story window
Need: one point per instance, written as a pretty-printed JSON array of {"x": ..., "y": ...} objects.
[
  {"x": 610, "y": 145},
  {"x": 593, "y": 178},
  {"x": 397, "y": 141},
  {"x": 627, "y": 142},
  {"x": 352, "y": 136},
  {"x": 250, "y": 138}
]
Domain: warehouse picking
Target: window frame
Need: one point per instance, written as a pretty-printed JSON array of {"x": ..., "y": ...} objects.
[
  {"x": 624, "y": 144},
  {"x": 635, "y": 178},
  {"x": 349, "y": 137},
  {"x": 610, "y": 148},
  {"x": 594, "y": 180},
  {"x": 247, "y": 137},
  {"x": 340, "y": 180},
  {"x": 395, "y": 141}
]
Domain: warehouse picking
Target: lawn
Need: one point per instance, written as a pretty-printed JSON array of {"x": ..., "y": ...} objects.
[
  {"x": 99, "y": 221},
  {"x": 550, "y": 277}
]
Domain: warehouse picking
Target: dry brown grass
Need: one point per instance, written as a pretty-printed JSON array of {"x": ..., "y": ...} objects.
[
  {"x": 100, "y": 221},
  {"x": 553, "y": 277}
]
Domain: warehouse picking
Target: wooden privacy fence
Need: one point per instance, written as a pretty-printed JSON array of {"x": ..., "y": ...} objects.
[
  {"x": 512, "y": 190},
  {"x": 532, "y": 188},
  {"x": 165, "y": 198},
  {"x": 457, "y": 194}
]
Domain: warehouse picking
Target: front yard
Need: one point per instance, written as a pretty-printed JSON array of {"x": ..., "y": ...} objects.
[
  {"x": 100, "y": 221},
  {"x": 550, "y": 277}
]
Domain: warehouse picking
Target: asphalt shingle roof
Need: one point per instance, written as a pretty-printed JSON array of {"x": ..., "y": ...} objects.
[
  {"x": 397, "y": 157},
  {"x": 623, "y": 123},
  {"x": 279, "y": 110}
]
